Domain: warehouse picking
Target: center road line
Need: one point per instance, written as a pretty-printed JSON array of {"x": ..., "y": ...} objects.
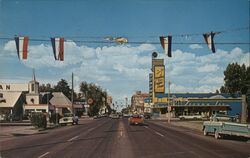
[
  {"x": 72, "y": 138},
  {"x": 159, "y": 134},
  {"x": 90, "y": 129},
  {"x": 43, "y": 155}
]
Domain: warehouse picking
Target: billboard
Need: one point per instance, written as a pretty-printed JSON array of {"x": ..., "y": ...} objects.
[{"x": 159, "y": 79}]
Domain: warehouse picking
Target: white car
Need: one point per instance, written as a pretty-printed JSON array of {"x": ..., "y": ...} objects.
[
  {"x": 68, "y": 118},
  {"x": 190, "y": 117},
  {"x": 114, "y": 116}
]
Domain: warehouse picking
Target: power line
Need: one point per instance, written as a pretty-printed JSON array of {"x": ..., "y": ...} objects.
[
  {"x": 143, "y": 42},
  {"x": 136, "y": 42}
]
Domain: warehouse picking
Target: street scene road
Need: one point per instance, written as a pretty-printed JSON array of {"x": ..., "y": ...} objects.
[{"x": 113, "y": 138}]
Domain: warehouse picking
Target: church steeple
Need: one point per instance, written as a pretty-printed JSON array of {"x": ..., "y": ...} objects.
[
  {"x": 33, "y": 84},
  {"x": 34, "y": 76}
]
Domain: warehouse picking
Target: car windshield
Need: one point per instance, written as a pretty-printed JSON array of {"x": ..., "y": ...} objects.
[
  {"x": 68, "y": 115},
  {"x": 136, "y": 116}
]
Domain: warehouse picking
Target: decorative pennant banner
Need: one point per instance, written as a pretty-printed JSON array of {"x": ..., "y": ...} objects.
[
  {"x": 22, "y": 47},
  {"x": 209, "y": 38},
  {"x": 58, "y": 48},
  {"x": 166, "y": 43}
]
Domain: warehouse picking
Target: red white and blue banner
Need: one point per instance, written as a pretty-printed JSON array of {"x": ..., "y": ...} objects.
[
  {"x": 209, "y": 38},
  {"x": 166, "y": 43},
  {"x": 58, "y": 48},
  {"x": 22, "y": 47}
]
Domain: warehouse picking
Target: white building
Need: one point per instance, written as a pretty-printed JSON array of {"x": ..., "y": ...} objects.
[{"x": 16, "y": 99}]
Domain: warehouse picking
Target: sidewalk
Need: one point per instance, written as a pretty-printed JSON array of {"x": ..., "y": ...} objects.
[
  {"x": 10, "y": 129},
  {"x": 194, "y": 125}
]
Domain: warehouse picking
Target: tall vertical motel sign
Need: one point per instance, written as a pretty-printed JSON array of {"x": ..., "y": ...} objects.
[{"x": 159, "y": 79}]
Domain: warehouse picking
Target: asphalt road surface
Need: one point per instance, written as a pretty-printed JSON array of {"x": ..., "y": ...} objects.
[{"x": 114, "y": 138}]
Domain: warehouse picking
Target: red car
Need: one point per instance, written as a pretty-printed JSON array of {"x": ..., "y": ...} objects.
[{"x": 136, "y": 119}]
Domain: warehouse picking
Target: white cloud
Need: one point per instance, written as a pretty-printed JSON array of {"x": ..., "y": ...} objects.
[
  {"x": 10, "y": 46},
  {"x": 211, "y": 80},
  {"x": 195, "y": 46},
  {"x": 192, "y": 73},
  {"x": 123, "y": 69},
  {"x": 208, "y": 68}
]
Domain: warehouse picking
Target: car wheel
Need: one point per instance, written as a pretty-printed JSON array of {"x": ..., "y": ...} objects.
[
  {"x": 205, "y": 133},
  {"x": 216, "y": 135}
]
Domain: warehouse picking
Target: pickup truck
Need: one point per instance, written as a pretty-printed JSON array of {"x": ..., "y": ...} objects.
[{"x": 222, "y": 128}]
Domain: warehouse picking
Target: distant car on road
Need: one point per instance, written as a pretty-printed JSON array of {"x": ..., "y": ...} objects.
[
  {"x": 114, "y": 116},
  {"x": 136, "y": 119},
  {"x": 68, "y": 118}
]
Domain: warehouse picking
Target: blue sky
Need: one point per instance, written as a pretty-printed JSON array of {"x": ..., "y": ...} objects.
[{"x": 123, "y": 69}]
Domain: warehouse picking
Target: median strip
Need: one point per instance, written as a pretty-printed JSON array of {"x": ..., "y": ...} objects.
[
  {"x": 43, "y": 155},
  {"x": 72, "y": 138}
]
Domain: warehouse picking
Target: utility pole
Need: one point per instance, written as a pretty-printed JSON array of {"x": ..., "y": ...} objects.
[
  {"x": 243, "y": 109},
  {"x": 126, "y": 102},
  {"x": 169, "y": 107},
  {"x": 72, "y": 94}
]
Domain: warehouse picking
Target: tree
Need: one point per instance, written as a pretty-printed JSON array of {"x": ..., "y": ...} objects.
[
  {"x": 62, "y": 86},
  {"x": 84, "y": 88},
  {"x": 236, "y": 79},
  {"x": 46, "y": 88},
  {"x": 96, "y": 93}
]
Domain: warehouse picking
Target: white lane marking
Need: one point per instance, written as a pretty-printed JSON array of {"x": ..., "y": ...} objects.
[
  {"x": 72, "y": 138},
  {"x": 43, "y": 155},
  {"x": 121, "y": 133},
  {"x": 146, "y": 127},
  {"x": 91, "y": 129},
  {"x": 159, "y": 134}
]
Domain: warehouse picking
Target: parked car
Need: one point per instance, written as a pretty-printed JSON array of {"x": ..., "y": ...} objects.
[
  {"x": 2, "y": 117},
  {"x": 136, "y": 119},
  {"x": 68, "y": 118},
  {"x": 229, "y": 127},
  {"x": 147, "y": 115},
  {"x": 190, "y": 117},
  {"x": 223, "y": 117}
]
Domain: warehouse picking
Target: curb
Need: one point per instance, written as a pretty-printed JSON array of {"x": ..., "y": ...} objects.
[{"x": 27, "y": 134}]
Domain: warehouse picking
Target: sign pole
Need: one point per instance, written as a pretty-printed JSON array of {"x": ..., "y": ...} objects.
[{"x": 169, "y": 107}]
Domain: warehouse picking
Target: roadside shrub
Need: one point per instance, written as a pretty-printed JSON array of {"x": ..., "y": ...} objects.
[
  {"x": 39, "y": 120},
  {"x": 55, "y": 118}
]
